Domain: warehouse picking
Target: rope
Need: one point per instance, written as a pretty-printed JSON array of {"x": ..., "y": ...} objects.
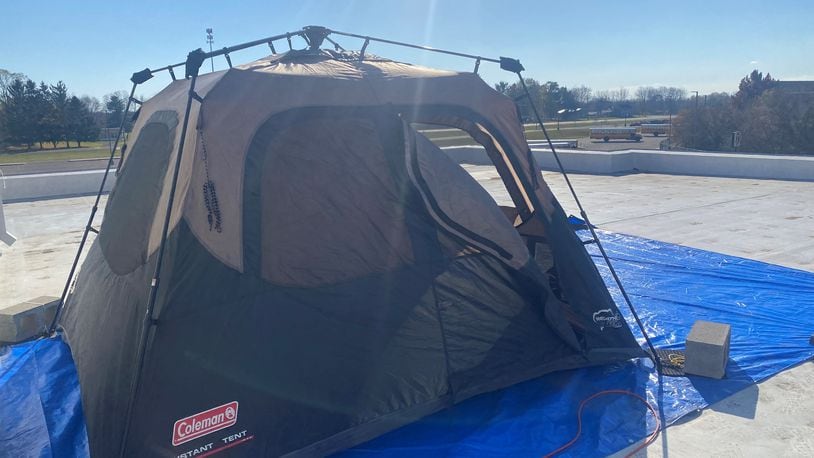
[
  {"x": 650, "y": 439},
  {"x": 213, "y": 215}
]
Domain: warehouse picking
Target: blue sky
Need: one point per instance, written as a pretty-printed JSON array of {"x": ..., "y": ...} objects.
[{"x": 708, "y": 46}]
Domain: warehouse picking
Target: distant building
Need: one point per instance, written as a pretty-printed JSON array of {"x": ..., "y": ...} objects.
[{"x": 795, "y": 87}]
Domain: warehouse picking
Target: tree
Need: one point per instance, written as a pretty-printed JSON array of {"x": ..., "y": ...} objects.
[
  {"x": 582, "y": 94},
  {"x": 92, "y": 103},
  {"x": 40, "y": 111},
  {"x": 751, "y": 87},
  {"x": 647, "y": 96},
  {"x": 115, "y": 104},
  {"x": 708, "y": 128},
  {"x": 81, "y": 125},
  {"x": 622, "y": 94},
  {"x": 552, "y": 99},
  {"x": 602, "y": 100},
  {"x": 15, "y": 120},
  {"x": 515, "y": 91},
  {"x": 7, "y": 77},
  {"x": 672, "y": 97},
  {"x": 55, "y": 119}
]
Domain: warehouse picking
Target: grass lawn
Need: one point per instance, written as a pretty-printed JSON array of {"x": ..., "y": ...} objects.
[
  {"x": 454, "y": 137},
  {"x": 89, "y": 150},
  {"x": 439, "y": 136},
  {"x": 569, "y": 130}
]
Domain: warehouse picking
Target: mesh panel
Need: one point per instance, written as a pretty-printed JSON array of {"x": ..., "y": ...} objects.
[
  {"x": 331, "y": 211},
  {"x": 132, "y": 204}
]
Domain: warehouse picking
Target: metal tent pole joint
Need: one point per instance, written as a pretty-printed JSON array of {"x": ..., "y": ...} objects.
[
  {"x": 512, "y": 65},
  {"x": 194, "y": 61},
  {"x": 364, "y": 48},
  {"x": 142, "y": 76},
  {"x": 315, "y": 35},
  {"x": 226, "y": 55}
]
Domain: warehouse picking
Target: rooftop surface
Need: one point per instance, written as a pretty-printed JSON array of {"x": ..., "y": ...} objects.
[{"x": 764, "y": 220}]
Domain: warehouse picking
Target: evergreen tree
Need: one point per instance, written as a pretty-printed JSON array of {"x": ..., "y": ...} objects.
[
  {"x": 15, "y": 113},
  {"x": 81, "y": 125},
  {"x": 114, "y": 104},
  {"x": 39, "y": 106},
  {"x": 751, "y": 87},
  {"x": 55, "y": 117}
]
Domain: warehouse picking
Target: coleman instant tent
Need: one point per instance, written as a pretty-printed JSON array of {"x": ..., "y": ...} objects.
[{"x": 329, "y": 274}]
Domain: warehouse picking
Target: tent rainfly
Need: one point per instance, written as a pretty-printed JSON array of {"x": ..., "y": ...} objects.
[{"x": 327, "y": 273}]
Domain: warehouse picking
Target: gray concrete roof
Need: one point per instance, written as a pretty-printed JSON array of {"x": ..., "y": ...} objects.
[{"x": 765, "y": 220}]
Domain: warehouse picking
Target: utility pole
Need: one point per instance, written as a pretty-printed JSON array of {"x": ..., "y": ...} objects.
[{"x": 210, "y": 38}]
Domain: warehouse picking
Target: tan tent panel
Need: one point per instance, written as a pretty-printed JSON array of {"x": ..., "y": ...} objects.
[{"x": 237, "y": 101}]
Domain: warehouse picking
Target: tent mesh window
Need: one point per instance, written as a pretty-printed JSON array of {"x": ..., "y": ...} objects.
[
  {"x": 132, "y": 205},
  {"x": 331, "y": 210}
]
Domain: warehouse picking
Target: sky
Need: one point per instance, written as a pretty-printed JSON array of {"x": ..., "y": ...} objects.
[{"x": 94, "y": 46}]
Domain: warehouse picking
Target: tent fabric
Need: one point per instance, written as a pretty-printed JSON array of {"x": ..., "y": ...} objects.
[
  {"x": 320, "y": 80},
  {"x": 134, "y": 200},
  {"x": 329, "y": 274},
  {"x": 463, "y": 202},
  {"x": 674, "y": 285}
]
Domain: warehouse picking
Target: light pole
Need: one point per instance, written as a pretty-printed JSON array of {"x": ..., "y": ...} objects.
[
  {"x": 210, "y": 38},
  {"x": 695, "y": 123}
]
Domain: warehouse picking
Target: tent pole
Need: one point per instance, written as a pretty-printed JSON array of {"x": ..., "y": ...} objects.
[
  {"x": 89, "y": 226},
  {"x": 193, "y": 64},
  {"x": 584, "y": 215},
  {"x": 409, "y": 45},
  {"x": 303, "y": 34}
]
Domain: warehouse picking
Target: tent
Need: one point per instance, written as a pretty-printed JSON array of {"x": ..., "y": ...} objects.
[{"x": 326, "y": 272}]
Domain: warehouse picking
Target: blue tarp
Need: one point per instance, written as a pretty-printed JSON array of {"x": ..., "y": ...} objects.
[
  {"x": 769, "y": 308},
  {"x": 40, "y": 406}
]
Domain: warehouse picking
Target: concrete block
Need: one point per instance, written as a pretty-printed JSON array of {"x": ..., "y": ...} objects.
[
  {"x": 27, "y": 319},
  {"x": 707, "y": 349}
]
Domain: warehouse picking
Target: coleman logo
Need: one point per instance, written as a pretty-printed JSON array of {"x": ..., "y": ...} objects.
[
  {"x": 607, "y": 318},
  {"x": 203, "y": 423}
]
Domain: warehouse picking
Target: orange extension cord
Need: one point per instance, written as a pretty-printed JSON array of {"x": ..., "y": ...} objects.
[{"x": 585, "y": 401}]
